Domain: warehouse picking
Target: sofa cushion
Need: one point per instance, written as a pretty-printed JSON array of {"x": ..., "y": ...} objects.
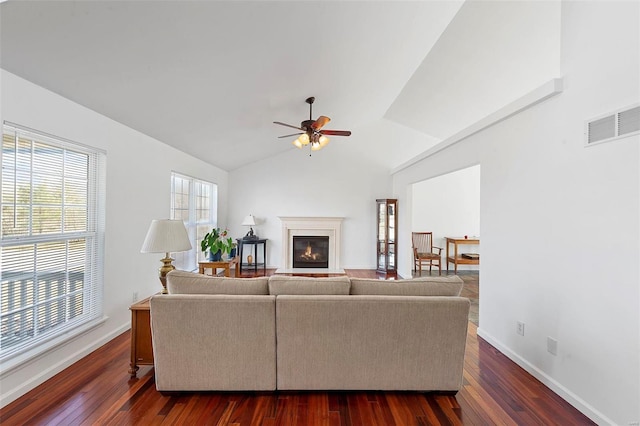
[
  {"x": 183, "y": 282},
  {"x": 424, "y": 286},
  {"x": 282, "y": 284}
]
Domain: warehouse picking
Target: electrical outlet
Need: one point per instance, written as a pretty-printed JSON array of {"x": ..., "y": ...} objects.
[
  {"x": 552, "y": 346},
  {"x": 135, "y": 296},
  {"x": 520, "y": 328}
]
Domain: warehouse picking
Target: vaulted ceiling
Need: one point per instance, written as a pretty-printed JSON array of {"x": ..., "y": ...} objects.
[{"x": 210, "y": 77}]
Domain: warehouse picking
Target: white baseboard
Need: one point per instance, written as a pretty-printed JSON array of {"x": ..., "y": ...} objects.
[
  {"x": 548, "y": 381},
  {"x": 9, "y": 396}
]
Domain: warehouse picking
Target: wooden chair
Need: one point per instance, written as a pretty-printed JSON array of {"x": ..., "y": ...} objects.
[{"x": 424, "y": 252}]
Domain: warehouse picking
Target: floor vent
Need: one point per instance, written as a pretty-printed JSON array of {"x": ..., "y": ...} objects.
[{"x": 613, "y": 126}]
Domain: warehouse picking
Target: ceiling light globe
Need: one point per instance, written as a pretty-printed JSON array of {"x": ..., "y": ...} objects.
[{"x": 304, "y": 139}]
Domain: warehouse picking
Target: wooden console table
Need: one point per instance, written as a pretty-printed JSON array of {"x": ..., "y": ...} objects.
[
  {"x": 141, "y": 346},
  {"x": 457, "y": 258},
  {"x": 221, "y": 264}
]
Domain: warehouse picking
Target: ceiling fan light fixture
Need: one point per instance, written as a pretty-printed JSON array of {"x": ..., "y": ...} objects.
[
  {"x": 304, "y": 139},
  {"x": 315, "y": 146},
  {"x": 323, "y": 141},
  {"x": 297, "y": 143}
]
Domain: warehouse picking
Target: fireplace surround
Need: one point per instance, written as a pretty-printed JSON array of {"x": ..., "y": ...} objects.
[{"x": 311, "y": 226}]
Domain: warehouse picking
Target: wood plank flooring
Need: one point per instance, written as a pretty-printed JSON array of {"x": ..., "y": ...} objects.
[{"x": 97, "y": 390}]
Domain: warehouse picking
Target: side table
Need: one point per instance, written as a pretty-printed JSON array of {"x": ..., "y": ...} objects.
[
  {"x": 458, "y": 258},
  {"x": 254, "y": 243},
  {"x": 222, "y": 264},
  {"x": 141, "y": 345}
]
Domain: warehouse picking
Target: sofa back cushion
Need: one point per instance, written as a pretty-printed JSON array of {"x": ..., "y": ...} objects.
[
  {"x": 182, "y": 282},
  {"x": 282, "y": 284},
  {"x": 424, "y": 286}
]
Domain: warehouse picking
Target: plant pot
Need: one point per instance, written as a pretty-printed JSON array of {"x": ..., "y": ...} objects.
[
  {"x": 215, "y": 257},
  {"x": 232, "y": 254}
]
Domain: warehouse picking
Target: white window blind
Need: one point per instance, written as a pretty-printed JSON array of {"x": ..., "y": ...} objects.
[
  {"x": 51, "y": 238},
  {"x": 195, "y": 202}
]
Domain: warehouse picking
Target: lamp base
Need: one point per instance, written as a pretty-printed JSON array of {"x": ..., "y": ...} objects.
[{"x": 164, "y": 270}]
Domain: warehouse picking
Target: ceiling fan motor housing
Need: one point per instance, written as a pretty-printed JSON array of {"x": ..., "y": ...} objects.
[{"x": 306, "y": 125}]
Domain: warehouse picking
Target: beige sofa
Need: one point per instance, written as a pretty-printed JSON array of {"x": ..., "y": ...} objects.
[{"x": 298, "y": 333}]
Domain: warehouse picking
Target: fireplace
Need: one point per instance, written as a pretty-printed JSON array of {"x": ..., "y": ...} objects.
[
  {"x": 325, "y": 229},
  {"x": 310, "y": 251}
]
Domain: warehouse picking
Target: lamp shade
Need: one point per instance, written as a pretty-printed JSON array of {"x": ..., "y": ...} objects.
[
  {"x": 249, "y": 221},
  {"x": 165, "y": 236}
]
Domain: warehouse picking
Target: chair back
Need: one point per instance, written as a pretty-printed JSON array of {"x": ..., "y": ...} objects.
[{"x": 422, "y": 242}]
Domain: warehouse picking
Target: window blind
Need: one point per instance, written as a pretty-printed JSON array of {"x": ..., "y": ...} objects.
[{"x": 51, "y": 238}]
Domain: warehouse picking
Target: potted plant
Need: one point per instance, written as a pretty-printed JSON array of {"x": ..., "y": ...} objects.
[{"x": 217, "y": 243}]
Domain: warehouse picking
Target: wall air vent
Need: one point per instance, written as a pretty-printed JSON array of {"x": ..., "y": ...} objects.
[{"x": 613, "y": 126}]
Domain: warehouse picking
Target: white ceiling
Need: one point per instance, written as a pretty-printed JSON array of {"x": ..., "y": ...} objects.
[{"x": 210, "y": 77}]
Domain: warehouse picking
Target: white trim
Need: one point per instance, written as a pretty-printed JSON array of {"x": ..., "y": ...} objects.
[
  {"x": 547, "y": 90},
  {"x": 9, "y": 396},
  {"x": 322, "y": 226},
  {"x": 23, "y": 359},
  {"x": 64, "y": 142},
  {"x": 548, "y": 381}
]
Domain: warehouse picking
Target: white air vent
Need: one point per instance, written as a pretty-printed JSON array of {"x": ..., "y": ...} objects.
[{"x": 613, "y": 126}]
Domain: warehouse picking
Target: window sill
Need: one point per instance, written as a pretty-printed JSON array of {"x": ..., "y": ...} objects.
[{"x": 21, "y": 360}]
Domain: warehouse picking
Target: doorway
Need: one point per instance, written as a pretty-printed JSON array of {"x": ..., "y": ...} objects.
[{"x": 449, "y": 206}]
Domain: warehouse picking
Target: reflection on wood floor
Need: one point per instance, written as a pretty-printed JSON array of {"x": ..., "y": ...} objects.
[{"x": 97, "y": 390}]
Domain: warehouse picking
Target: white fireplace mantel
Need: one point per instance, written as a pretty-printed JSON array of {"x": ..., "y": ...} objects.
[{"x": 311, "y": 226}]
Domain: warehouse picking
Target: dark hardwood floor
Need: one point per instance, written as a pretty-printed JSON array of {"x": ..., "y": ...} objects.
[{"x": 97, "y": 390}]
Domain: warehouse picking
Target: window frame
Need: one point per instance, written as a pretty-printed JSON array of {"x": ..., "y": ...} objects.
[
  {"x": 91, "y": 263},
  {"x": 195, "y": 228}
]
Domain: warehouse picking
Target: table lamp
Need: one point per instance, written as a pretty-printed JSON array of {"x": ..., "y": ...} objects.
[
  {"x": 249, "y": 221},
  {"x": 166, "y": 236}
]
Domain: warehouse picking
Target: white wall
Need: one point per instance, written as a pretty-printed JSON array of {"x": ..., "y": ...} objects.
[
  {"x": 449, "y": 206},
  {"x": 491, "y": 53},
  {"x": 560, "y": 223},
  {"x": 138, "y": 190},
  {"x": 344, "y": 179}
]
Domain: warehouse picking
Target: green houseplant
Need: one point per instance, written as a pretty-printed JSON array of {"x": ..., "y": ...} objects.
[{"x": 217, "y": 243}]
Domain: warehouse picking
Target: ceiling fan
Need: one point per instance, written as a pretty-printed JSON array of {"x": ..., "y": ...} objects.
[{"x": 312, "y": 132}]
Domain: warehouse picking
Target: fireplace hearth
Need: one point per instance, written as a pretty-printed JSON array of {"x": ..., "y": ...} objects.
[{"x": 310, "y": 251}]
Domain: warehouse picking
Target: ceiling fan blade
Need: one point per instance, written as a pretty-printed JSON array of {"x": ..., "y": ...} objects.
[
  {"x": 288, "y": 136},
  {"x": 288, "y": 125},
  {"x": 320, "y": 122},
  {"x": 336, "y": 132}
]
